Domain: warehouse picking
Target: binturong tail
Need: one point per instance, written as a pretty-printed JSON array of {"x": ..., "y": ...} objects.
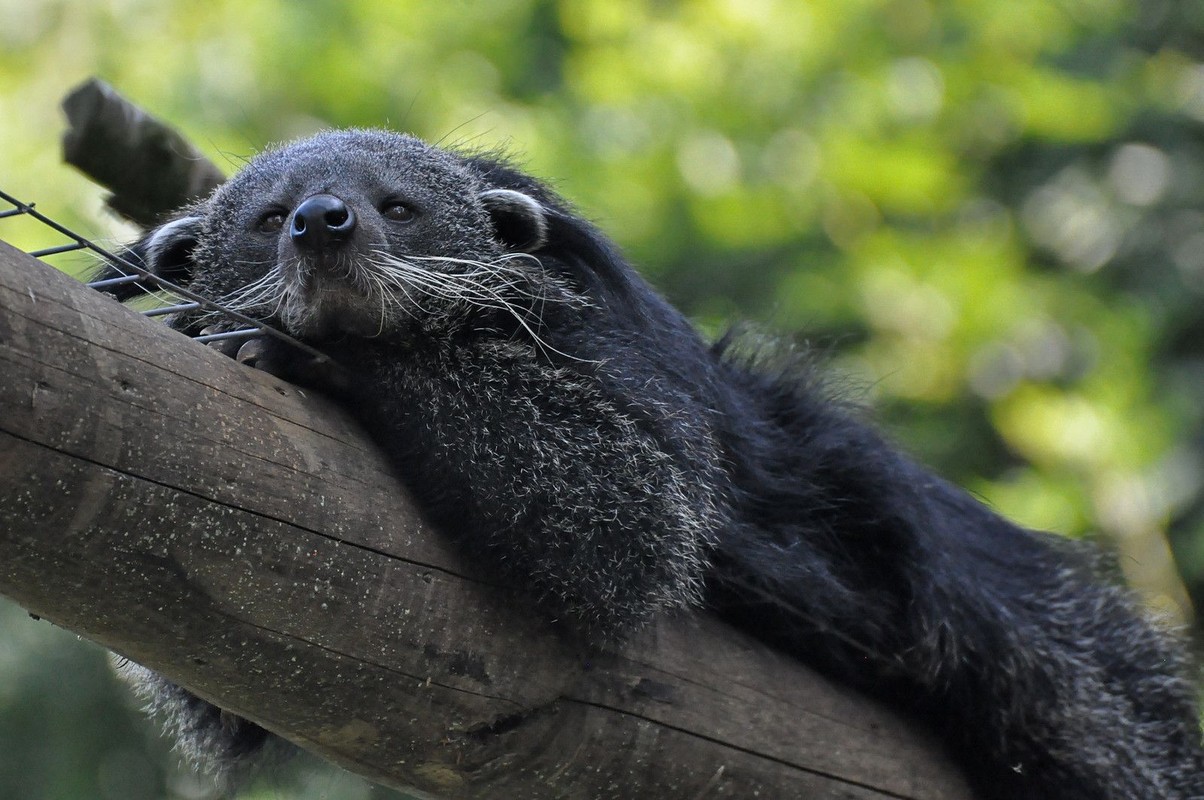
[{"x": 1043, "y": 680}]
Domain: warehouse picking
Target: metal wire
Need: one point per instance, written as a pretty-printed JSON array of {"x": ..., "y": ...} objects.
[{"x": 152, "y": 284}]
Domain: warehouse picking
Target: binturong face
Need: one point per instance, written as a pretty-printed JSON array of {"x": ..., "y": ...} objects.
[{"x": 363, "y": 233}]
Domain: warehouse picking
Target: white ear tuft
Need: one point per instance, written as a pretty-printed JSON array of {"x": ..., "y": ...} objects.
[
  {"x": 169, "y": 243},
  {"x": 519, "y": 219}
]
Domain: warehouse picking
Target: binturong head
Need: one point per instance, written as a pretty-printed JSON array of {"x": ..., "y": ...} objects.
[{"x": 362, "y": 233}]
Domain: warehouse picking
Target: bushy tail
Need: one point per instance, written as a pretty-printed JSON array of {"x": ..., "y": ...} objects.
[{"x": 1044, "y": 680}]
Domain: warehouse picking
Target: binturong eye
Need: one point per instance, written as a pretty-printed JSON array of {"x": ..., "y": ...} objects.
[
  {"x": 270, "y": 221},
  {"x": 397, "y": 211}
]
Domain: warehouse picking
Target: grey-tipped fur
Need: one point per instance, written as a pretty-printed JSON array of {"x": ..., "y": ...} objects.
[
  {"x": 565, "y": 425},
  {"x": 216, "y": 743}
]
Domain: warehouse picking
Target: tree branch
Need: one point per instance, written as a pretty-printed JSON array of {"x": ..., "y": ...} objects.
[
  {"x": 239, "y": 536},
  {"x": 150, "y": 168}
]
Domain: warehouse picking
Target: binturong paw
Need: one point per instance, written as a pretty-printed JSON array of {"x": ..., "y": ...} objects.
[
  {"x": 227, "y": 347},
  {"x": 292, "y": 364}
]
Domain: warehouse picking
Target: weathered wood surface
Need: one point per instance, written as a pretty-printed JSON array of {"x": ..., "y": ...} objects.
[{"x": 241, "y": 537}]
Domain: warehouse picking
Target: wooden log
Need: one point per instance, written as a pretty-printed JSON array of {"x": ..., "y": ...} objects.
[{"x": 240, "y": 536}]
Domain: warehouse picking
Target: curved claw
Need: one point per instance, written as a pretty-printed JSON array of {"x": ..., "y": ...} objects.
[
  {"x": 227, "y": 347},
  {"x": 295, "y": 366}
]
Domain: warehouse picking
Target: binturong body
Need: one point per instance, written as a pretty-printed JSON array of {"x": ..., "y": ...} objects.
[{"x": 565, "y": 426}]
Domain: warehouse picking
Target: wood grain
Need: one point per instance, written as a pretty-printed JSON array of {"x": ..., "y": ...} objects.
[{"x": 243, "y": 538}]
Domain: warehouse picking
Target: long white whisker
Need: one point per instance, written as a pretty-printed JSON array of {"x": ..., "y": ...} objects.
[
  {"x": 458, "y": 283},
  {"x": 485, "y": 285},
  {"x": 253, "y": 296}
]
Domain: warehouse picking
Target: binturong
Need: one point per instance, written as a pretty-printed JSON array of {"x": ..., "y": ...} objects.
[{"x": 570, "y": 430}]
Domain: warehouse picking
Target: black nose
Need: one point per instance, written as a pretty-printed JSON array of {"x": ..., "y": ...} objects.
[{"x": 322, "y": 221}]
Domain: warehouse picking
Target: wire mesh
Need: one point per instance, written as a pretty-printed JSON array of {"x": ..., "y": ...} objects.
[{"x": 172, "y": 297}]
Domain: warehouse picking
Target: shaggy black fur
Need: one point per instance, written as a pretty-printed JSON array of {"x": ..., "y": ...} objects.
[{"x": 559, "y": 418}]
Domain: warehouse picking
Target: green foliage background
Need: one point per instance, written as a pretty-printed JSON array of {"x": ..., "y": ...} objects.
[{"x": 991, "y": 214}]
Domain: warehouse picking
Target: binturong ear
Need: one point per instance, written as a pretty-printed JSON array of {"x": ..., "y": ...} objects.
[
  {"x": 166, "y": 251},
  {"x": 519, "y": 220}
]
